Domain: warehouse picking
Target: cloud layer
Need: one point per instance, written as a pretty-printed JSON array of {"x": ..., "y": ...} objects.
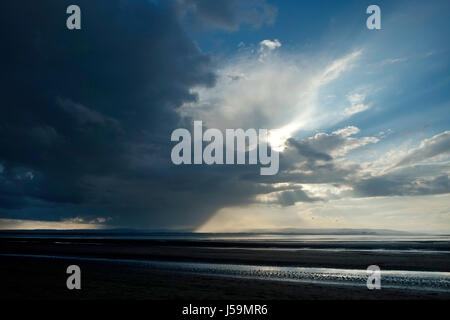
[{"x": 87, "y": 117}]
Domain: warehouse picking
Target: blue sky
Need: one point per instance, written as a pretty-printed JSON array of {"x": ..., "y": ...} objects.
[{"x": 407, "y": 60}]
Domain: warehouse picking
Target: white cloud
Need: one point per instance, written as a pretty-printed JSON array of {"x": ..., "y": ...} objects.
[
  {"x": 338, "y": 143},
  {"x": 393, "y": 60},
  {"x": 269, "y": 44},
  {"x": 347, "y": 131},
  {"x": 429, "y": 148},
  {"x": 357, "y": 104},
  {"x": 279, "y": 93},
  {"x": 266, "y": 47},
  {"x": 337, "y": 67}
]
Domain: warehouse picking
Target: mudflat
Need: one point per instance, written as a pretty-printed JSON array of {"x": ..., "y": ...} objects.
[{"x": 111, "y": 269}]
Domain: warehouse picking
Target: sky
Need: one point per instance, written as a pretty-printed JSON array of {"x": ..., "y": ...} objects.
[{"x": 361, "y": 117}]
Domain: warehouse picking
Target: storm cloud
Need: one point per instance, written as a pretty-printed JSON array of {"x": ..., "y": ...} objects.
[
  {"x": 226, "y": 14},
  {"x": 87, "y": 114}
]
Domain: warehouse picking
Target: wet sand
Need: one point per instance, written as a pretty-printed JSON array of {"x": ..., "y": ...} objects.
[
  {"x": 45, "y": 278},
  {"x": 247, "y": 253},
  {"x": 30, "y": 278}
]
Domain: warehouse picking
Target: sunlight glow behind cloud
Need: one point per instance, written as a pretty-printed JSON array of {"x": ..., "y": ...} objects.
[{"x": 278, "y": 93}]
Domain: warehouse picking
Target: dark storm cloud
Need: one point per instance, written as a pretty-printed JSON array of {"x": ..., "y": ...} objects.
[
  {"x": 76, "y": 105},
  {"x": 87, "y": 115},
  {"x": 226, "y": 14},
  {"x": 307, "y": 151},
  {"x": 289, "y": 198},
  {"x": 392, "y": 185}
]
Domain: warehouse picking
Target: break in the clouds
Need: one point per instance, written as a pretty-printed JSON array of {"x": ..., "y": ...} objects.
[{"x": 360, "y": 117}]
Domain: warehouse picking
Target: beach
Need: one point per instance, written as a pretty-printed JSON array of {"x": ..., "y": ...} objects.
[
  {"x": 29, "y": 278},
  {"x": 196, "y": 269}
]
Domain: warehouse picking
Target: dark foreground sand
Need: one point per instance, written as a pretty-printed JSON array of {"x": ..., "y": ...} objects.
[
  {"x": 35, "y": 278},
  {"x": 44, "y": 278}
]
